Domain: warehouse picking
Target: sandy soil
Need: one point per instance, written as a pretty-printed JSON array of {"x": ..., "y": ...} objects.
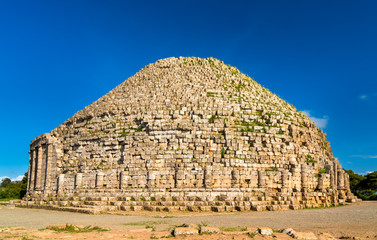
[{"x": 358, "y": 220}]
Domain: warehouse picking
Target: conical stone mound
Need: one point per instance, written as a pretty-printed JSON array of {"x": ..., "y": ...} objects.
[{"x": 186, "y": 134}]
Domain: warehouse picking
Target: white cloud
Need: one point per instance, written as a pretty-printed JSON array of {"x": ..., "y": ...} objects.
[
  {"x": 367, "y": 97},
  {"x": 365, "y": 156},
  {"x": 364, "y": 173},
  {"x": 363, "y": 97},
  {"x": 320, "y": 122},
  {"x": 2, "y": 178},
  {"x": 19, "y": 178}
]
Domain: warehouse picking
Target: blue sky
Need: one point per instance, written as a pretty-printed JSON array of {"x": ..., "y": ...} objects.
[{"x": 56, "y": 57}]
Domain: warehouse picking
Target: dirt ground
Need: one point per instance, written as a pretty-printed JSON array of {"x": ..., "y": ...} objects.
[{"x": 359, "y": 221}]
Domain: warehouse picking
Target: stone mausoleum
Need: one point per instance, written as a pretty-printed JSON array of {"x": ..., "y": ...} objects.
[{"x": 186, "y": 134}]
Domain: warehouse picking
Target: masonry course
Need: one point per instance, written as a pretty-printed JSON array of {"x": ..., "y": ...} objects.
[{"x": 186, "y": 134}]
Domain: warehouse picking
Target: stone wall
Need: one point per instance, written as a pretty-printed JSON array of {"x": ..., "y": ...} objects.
[{"x": 192, "y": 129}]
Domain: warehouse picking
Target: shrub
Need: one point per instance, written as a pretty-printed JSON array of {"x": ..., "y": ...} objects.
[
  {"x": 365, "y": 187},
  {"x": 13, "y": 189},
  {"x": 310, "y": 159}
]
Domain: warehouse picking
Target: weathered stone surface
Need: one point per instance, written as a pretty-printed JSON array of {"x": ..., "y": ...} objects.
[
  {"x": 288, "y": 231},
  {"x": 265, "y": 231},
  {"x": 179, "y": 231},
  {"x": 186, "y": 134},
  {"x": 204, "y": 229},
  {"x": 304, "y": 235},
  {"x": 282, "y": 236}
]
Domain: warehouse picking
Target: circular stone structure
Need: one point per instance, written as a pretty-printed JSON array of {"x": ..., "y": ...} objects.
[{"x": 186, "y": 134}]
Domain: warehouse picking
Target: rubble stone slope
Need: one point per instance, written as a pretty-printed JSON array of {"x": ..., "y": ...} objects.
[{"x": 186, "y": 133}]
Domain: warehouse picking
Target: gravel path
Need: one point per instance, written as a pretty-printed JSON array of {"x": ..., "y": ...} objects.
[{"x": 360, "y": 219}]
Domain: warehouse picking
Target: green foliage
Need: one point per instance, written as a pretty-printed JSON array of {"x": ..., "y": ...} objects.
[
  {"x": 13, "y": 189},
  {"x": 124, "y": 133},
  {"x": 212, "y": 118},
  {"x": 223, "y": 151},
  {"x": 247, "y": 129},
  {"x": 270, "y": 169},
  {"x": 211, "y": 94},
  {"x": 322, "y": 171},
  {"x": 365, "y": 187},
  {"x": 250, "y": 124},
  {"x": 310, "y": 159}
]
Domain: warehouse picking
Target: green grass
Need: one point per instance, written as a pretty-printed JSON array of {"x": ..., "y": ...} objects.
[
  {"x": 71, "y": 229},
  {"x": 150, "y": 226},
  {"x": 167, "y": 236},
  {"x": 252, "y": 235},
  {"x": 6, "y": 200},
  {"x": 26, "y": 238},
  {"x": 204, "y": 223},
  {"x": 144, "y": 223},
  {"x": 233, "y": 229}
]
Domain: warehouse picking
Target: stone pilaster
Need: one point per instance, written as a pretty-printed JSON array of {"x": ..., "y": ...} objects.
[
  {"x": 304, "y": 177},
  {"x": 60, "y": 185},
  {"x": 285, "y": 180},
  {"x": 340, "y": 179},
  {"x": 33, "y": 171},
  {"x": 261, "y": 179},
  {"x": 124, "y": 177},
  {"x": 78, "y": 180},
  {"x": 30, "y": 170},
  {"x": 38, "y": 169},
  {"x": 208, "y": 177},
  {"x": 99, "y": 180},
  {"x": 235, "y": 178},
  {"x": 335, "y": 176}
]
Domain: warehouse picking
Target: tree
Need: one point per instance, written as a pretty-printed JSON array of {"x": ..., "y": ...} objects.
[
  {"x": 5, "y": 183},
  {"x": 23, "y": 185},
  {"x": 368, "y": 186},
  {"x": 365, "y": 187},
  {"x": 355, "y": 179},
  {"x": 13, "y": 189}
]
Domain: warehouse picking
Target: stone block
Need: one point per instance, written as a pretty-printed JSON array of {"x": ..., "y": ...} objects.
[{"x": 179, "y": 231}]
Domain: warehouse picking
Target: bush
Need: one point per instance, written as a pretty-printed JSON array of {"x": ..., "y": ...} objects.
[
  {"x": 13, "y": 189},
  {"x": 365, "y": 187}
]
